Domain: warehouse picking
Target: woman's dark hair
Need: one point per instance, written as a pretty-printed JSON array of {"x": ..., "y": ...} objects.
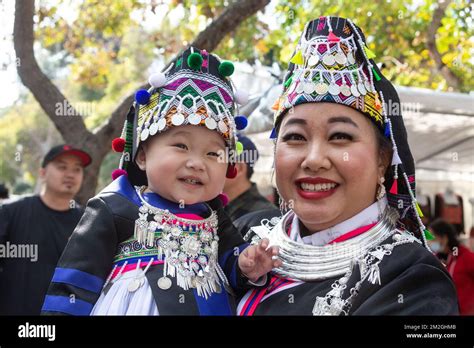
[{"x": 442, "y": 228}]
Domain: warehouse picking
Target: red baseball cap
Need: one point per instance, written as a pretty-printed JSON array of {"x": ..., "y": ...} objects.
[{"x": 65, "y": 148}]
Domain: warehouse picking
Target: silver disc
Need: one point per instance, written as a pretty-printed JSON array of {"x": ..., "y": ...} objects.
[
  {"x": 355, "y": 91},
  {"x": 334, "y": 89},
  {"x": 345, "y": 90},
  {"x": 161, "y": 124},
  {"x": 367, "y": 85},
  {"x": 321, "y": 88},
  {"x": 153, "y": 129},
  {"x": 177, "y": 119},
  {"x": 194, "y": 119},
  {"x": 300, "y": 88},
  {"x": 350, "y": 58},
  {"x": 134, "y": 285},
  {"x": 313, "y": 60},
  {"x": 340, "y": 58},
  {"x": 222, "y": 126},
  {"x": 361, "y": 88},
  {"x": 144, "y": 134},
  {"x": 164, "y": 283},
  {"x": 329, "y": 59},
  {"x": 308, "y": 87},
  {"x": 210, "y": 123}
]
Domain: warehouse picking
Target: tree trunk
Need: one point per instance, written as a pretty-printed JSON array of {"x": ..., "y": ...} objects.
[
  {"x": 72, "y": 128},
  {"x": 452, "y": 80}
]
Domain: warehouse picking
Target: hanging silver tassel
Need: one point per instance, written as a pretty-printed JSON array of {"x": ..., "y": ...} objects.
[{"x": 374, "y": 276}]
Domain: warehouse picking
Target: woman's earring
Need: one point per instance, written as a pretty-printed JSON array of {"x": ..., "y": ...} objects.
[{"x": 381, "y": 189}]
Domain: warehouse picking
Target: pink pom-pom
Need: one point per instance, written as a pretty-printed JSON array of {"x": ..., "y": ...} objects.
[
  {"x": 224, "y": 199},
  {"x": 118, "y": 172}
]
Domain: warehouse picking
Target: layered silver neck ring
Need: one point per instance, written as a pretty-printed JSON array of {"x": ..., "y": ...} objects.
[{"x": 309, "y": 263}]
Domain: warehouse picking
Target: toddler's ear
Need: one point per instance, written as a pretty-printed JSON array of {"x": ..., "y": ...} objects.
[{"x": 140, "y": 160}]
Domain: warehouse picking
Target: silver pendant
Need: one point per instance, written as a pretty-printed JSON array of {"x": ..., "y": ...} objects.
[
  {"x": 309, "y": 87},
  {"x": 361, "y": 88},
  {"x": 300, "y": 88},
  {"x": 144, "y": 134},
  {"x": 328, "y": 59},
  {"x": 321, "y": 88},
  {"x": 355, "y": 91},
  {"x": 368, "y": 86},
  {"x": 164, "y": 283},
  {"x": 153, "y": 129},
  {"x": 345, "y": 90},
  {"x": 313, "y": 60},
  {"x": 177, "y": 119},
  {"x": 161, "y": 124},
  {"x": 222, "y": 126},
  {"x": 350, "y": 58},
  {"x": 135, "y": 284},
  {"x": 334, "y": 89},
  {"x": 210, "y": 123},
  {"x": 194, "y": 119},
  {"x": 340, "y": 58}
]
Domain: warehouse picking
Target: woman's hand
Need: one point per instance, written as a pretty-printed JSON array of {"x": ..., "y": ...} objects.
[{"x": 256, "y": 260}]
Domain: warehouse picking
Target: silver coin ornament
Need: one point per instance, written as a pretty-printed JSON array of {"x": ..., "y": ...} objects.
[
  {"x": 321, "y": 88},
  {"x": 334, "y": 89},
  {"x": 134, "y": 285},
  {"x": 345, "y": 90},
  {"x": 194, "y": 119},
  {"x": 177, "y": 119},
  {"x": 164, "y": 283},
  {"x": 313, "y": 60},
  {"x": 340, "y": 58},
  {"x": 329, "y": 59},
  {"x": 144, "y": 134},
  {"x": 161, "y": 124},
  {"x": 153, "y": 129},
  {"x": 354, "y": 91},
  {"x": 361, "y": 88},
  {"x": 210, "y": 123}
]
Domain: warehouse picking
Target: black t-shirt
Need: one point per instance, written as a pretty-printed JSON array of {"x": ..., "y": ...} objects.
[{"x": 32, "y": 238}]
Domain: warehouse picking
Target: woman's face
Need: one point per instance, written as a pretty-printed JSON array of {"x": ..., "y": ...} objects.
[{"x": 327, "y": 163}]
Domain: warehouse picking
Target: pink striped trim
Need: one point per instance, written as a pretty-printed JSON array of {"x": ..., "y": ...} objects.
[
  {"x": 353, "y": 233},
  {"x": 133, "y": 266}
]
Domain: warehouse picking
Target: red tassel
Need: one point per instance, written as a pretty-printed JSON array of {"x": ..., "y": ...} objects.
[
  {"x": 118, "y": 144},
  {"x": 394, "y": 189},
  {"x": 231, "y": 171}
]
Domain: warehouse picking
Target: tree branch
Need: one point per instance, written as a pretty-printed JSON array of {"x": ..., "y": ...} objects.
[
  {"x": 438, "y": 14},
  {"x": 45, "y": 92}
]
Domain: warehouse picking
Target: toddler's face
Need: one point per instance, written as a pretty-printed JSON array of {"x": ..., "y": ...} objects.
[{"x": 184, "y": 164}]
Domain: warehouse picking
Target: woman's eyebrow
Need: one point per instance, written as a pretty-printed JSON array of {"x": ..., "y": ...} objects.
[
  {"x": 343, "y": 119},
  {"x": 296, "y": 121}
]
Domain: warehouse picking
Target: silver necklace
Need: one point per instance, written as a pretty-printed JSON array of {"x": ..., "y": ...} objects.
[
  {"x": 189, "y": 247},
  {"x": 309, "y": 262}
]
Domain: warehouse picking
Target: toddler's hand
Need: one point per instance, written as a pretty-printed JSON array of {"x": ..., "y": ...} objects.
[{"x": 256, "y": 260}]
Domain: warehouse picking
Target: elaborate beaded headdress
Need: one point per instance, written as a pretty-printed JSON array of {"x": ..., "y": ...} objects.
[
  {"x": 195, "y": 89},
  {"x": 333, "y": 64}
]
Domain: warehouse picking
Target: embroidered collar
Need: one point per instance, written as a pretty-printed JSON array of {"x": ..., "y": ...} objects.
[{"x": 368, "y": 216}]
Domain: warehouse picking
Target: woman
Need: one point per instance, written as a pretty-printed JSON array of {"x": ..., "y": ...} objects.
[
  {"x": 460, "y": 262},
  {"x": 340, "y": 145}
]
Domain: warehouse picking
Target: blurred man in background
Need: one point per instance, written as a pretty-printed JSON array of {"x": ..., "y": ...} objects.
[
  {"x": 243, "y": 194},
  {"x": 34, "y": 231}
]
